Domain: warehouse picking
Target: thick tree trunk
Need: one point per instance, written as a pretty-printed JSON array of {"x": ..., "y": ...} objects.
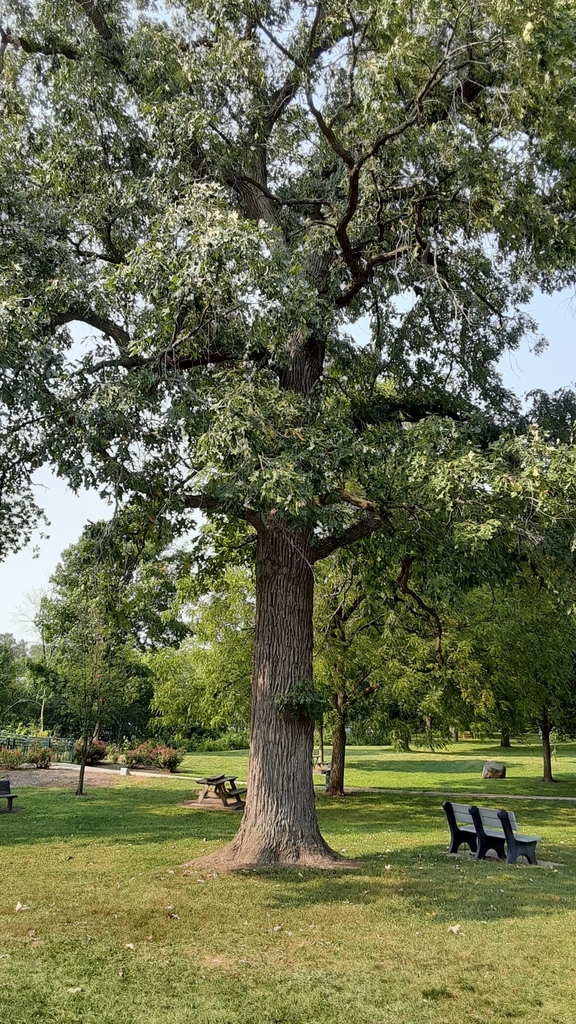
[
  {"x": 454, "y": 734},
  {"x": 545, "y": 730},
  {"x": 279, "y": 826},
  {"x": 505, "y": 737},
  {"x": 336, "y": 786}
]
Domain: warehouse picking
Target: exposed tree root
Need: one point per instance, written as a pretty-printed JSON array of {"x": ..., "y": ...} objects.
[{"x": 231, "y": 859}]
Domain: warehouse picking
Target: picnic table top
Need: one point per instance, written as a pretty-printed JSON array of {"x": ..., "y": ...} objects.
[{"x": 214, "y": 780}]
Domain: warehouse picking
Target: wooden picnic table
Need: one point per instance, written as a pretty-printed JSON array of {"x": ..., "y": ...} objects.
[{"x": 225, "y": 792}]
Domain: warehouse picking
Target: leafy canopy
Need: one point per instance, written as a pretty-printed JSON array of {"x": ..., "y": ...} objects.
[{"x": 212, "y": 194}]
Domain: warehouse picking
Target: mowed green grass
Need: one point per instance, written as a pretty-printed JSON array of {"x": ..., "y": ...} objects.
[
  {"x": 457, "y": 769},
  {"x": 117, "y": 931}
]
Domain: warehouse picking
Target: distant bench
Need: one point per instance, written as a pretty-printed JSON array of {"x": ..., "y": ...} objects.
[
  {"x": 484, "y": 828},
  {"x": 5, "y": 793}
]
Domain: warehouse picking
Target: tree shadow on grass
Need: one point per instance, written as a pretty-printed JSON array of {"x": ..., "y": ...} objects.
[
  {"x": 138, "y": 815},
  {"x": 433, "y": 888}
]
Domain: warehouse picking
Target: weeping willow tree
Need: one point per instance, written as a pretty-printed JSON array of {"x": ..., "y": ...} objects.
[{"x": 200, "y": 201}]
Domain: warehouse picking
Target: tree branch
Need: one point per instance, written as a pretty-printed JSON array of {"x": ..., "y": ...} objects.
[
  {"x": 50, "y": 47},
  {"x": 403, "y": 583},
  {"x": 100, "y": 323},
  {"x": 205, "y": 503},
  {"x": 93, "y": 12},
  {"x": 358, "y": 531}
]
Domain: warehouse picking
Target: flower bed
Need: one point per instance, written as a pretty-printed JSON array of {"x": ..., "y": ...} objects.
[{"x": 154, "y": 755}]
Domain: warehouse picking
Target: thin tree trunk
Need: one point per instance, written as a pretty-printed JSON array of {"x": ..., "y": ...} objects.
[
  {"x": 83, "y": 758},
  {"x": 545, "y": 730},
  {"x": 279, "y": 824},
  {"x": 336, "y": 785},
  {"x": 505, "y": 737},
  {"x": 321, "y": 741}
]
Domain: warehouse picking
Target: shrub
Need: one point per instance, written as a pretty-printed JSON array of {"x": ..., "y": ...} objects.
[
  {"x": 11, "y": 758},
  {"x": 228, "y": 741},
  {"x": 153, "y": 755},
  {"x": 96, "y": 752},
  {"x": 40, "y": 756},
  {"x": 168, "y": 757}
]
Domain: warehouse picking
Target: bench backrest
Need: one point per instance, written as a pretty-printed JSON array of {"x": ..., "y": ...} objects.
[
  {"x": 4, "y": 786},
  {"x": 489, "y": 818},
  {"x": 462, "y": 814}
]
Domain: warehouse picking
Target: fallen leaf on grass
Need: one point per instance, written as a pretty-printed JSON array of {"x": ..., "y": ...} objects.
[
  {"x": 31, "y": 931},
  {"x": 129, "y": 945},
  {"x": 278, "y": 927},
  {"x": 74, "y": 991},
  {"x": 20, "y": 906},
  {"x": 175, "y": 917},
  {"x": 556, "y": 899},
  {"x": 455, "y": 929}
]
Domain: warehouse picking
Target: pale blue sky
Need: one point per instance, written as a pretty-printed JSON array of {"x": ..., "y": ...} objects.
[{"x": 26, "y": 573}]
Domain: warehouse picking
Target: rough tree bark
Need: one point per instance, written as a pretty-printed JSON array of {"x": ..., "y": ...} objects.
[
  {"x": 279, "y": 824},
  {"x": 336, "y": 786}
]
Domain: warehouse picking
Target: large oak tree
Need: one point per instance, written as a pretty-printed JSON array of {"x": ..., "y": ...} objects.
[{"x": 210, "y": 194}]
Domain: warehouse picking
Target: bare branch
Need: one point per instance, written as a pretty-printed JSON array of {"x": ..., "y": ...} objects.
[
  {"x": 403, "y": 583},
  {"x": 206, "y": 503},
  {"x": 100, "y": 323},
  {"x": 358, "y": 531},
  {"x": 330, "y": 136},
  {"x": 93, "y": 12},
  {"x": 364, "y": 275},
  {"x": 363, "y": 503}
]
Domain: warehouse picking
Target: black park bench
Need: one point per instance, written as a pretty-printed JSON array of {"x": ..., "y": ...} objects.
[
  {"x": 460, "y": 833},
  {"x": 5, "y": 793},
  {"x": 484, "y": 829}
]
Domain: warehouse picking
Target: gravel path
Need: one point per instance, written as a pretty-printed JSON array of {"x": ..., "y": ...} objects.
[{"x": 63, "y": 778}]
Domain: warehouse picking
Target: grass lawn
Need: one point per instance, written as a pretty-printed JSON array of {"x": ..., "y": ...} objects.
[
  {"x": 117, "y": 932},
  {"x": 457, "y": 769}
]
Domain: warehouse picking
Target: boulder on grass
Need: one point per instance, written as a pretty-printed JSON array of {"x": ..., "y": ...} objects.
[{"x": 494, "y": 770}]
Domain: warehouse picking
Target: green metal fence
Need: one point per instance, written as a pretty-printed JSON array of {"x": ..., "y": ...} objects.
[{"x": 61, "y": 746}]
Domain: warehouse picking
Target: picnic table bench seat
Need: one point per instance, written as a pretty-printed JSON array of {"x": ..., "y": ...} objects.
[
  {"x": 484, "y": 829},
  {"x": 5, "y": 793}
]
